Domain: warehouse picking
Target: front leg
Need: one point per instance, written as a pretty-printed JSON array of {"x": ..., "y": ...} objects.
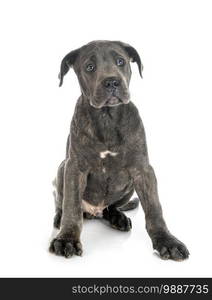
[
  {"x": 67, "y": 241},
  {"x": 146, "y": 187}
]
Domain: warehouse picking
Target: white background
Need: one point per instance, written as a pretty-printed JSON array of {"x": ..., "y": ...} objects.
[{"x": 174, "y": 99}]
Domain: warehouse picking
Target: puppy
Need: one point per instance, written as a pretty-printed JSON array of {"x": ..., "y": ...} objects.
[{"x": 106, "y": 157}]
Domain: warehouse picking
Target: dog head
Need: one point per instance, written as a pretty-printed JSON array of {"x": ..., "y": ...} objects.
[{"x": 103, "y": 70}]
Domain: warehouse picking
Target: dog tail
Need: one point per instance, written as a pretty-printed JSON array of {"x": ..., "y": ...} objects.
[{"x": 130, "y": 205}]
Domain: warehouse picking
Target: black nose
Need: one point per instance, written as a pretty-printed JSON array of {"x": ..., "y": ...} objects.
[{"x": 111, "y": 82}]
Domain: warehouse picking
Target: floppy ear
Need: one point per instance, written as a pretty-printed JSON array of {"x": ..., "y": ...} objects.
[
  {"x": 67, "y": 63},
  {"x": 133, "y": 54}
]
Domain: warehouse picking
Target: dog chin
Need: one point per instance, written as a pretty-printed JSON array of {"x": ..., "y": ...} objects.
[
  {"x": 95, "y": 105},
  {"x": 113, "y": 101}
]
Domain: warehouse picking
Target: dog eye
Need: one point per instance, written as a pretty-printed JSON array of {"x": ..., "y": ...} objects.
[
  {"x": 90, "y": 68},
  {"x": 120, "y": 61}
]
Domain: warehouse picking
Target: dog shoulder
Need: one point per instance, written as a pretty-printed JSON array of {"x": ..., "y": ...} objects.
[
  {"x": 80, "y": 119},
  {"x": 133, "y": 118}
]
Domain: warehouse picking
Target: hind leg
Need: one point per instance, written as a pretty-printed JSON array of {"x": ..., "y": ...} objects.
[
  {"x": 59, "y": 195},
  {"x": 88, "y": 216},
  {"x": 117, "y": 218}
]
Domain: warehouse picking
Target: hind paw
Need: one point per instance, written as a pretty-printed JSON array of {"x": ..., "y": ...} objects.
[{"x": 117, "y": 219}]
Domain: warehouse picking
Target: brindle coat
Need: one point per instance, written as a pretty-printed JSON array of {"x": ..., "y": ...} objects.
[{"x": 106, "y": 157}]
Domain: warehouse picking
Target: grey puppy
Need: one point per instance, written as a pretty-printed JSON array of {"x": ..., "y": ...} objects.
[{"x": 106, "y": 154}]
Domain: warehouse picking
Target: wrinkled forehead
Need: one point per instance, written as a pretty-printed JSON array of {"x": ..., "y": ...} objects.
[{"x": 101, "y": 52}]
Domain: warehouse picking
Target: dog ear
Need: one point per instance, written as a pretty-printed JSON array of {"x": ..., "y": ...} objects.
[
  {"x": 67, "y": 63},
  {"x": 133, "y": 54}
]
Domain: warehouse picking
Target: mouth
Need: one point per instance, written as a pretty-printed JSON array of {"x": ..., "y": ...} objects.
[
  {"x": 114, "y": 100},
  {"x": 111, "y": 99}
]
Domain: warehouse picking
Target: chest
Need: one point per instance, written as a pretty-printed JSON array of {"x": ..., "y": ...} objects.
[
  {"x": 110, "y": 133},
  {"x": 110, "y": 160}
]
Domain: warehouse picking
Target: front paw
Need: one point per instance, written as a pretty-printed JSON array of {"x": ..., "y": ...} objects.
[
  {"x": 169, "y": 247},
  {"x": 65, "y": 247}
]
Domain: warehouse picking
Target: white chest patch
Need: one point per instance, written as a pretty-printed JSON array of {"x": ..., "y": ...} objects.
[
  {"x": 93, "y": 210},
  {"x": 103, "y": 154}
]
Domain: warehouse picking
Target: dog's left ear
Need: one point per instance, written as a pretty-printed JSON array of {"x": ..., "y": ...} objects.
[
  {"x": 133, "y": 55},
  {"x": 66, "y": 63}
]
